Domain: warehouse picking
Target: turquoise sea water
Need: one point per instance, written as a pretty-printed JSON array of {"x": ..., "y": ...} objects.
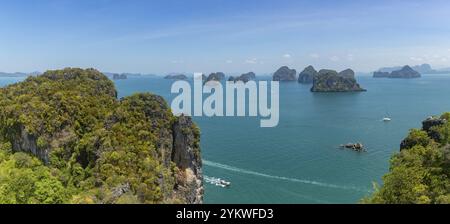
[{"x": 299, "y": 161}]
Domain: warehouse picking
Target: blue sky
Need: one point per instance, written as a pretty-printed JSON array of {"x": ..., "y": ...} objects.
[{"x": 221, "y": 35}]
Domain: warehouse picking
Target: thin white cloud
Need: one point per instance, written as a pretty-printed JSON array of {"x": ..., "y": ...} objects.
[
  {"x": 177, "y": 62},
  {"x": 314, "y": 55},
  {"x": 334, "y": 58},
  {"x": 229, "y": 61},
  {"x": 251, "y": 61},
  {"x": 287, "y": 56},
  {"x": 350, "y": 57},
  {"x": 416, "y": 59}
]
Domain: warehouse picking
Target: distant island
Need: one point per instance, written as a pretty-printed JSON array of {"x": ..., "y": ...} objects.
[
  {"x": 285, "y": 74},
  {"x": 128, "y": 75},
  {"x": 243, "y": 78},
  {"x": 332, "y": 81},
  {"x": 18, "y": 74},
  {"x": 119, "y": 76},
  {"x": 423, "y": 69},
  {"x": 404, "y": 73},
  {"x": 176, "y": 76}
]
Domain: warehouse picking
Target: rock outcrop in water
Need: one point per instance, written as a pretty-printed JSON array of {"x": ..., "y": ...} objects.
[
  {"x": 307, "y": 75},
  {"x": 405, "y": 73},
  {"x": 101, "y": 149},
  {"x": 243, "y": 78},
  {"x": 285, "y": 74},
  {"x": 331, "y": 81},
  {"x": 357, "y": 147}
]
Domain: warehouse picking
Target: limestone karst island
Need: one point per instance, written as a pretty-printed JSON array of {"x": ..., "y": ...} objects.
[{"x": 210, "y": 111}]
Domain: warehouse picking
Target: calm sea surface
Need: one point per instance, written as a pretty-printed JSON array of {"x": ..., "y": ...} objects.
[{"x": 299, "y": 161}]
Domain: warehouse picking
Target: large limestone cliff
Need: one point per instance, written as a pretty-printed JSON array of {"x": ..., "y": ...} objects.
[
  {"x": 186, "y": 154},
  {"x": 132, "y": 150}
]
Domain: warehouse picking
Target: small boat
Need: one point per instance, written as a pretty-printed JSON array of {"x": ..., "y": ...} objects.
[
  {"x": 223, "y": 182},
  {"x": 220, "y": 185},
  {"x": 226, "y": 183},
  {"x": 387, "y": 119},
  {"x": 218, "y": 182}
]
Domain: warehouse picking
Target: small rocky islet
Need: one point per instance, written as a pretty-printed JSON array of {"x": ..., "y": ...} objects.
[
  {"x": 332, "y": 81},
  {"x": 357, "y": 147},
  {"x": 284, "y": 74}
]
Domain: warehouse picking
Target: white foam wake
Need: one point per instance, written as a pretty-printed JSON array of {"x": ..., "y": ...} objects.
[{"x": 303, "y": 181}]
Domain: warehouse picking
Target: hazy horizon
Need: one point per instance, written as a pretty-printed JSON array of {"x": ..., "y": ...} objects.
[{"x": 161, "y": 37}]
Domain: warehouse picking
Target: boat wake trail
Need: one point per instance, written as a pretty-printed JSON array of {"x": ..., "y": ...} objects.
[{"x": 254, "y": 173}]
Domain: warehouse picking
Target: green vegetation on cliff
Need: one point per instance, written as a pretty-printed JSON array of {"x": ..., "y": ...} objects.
[
  {"x": 66, "y": 138},
  {"x": 420, "y": 173}
]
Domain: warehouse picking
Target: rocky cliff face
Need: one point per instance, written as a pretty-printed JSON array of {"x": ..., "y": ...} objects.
[
  {"x": 25, "y": 142},
  {"x": 285, "y": 74},
  {"x": 186, "y": 155},
  {"x": 331, "y": 81},
  {"x": 307, "y": 75}
]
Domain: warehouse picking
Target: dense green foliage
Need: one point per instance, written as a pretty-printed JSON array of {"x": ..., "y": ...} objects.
[
  {"x": 420, "y": 173},
  {"x": 65, "y": 138},
  {"x": 25, "y": 180}
]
